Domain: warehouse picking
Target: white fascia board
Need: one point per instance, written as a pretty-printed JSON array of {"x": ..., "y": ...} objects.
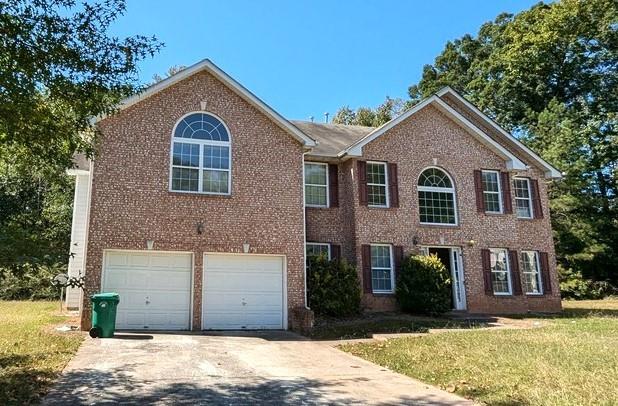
[
  {"x": 356, "y": 148},
  {"x": 207, "y": 65},
  {"x": 75, "y": 172},
  {"x": 512, "y": 162},
  {"x": 550, "y": 171}
]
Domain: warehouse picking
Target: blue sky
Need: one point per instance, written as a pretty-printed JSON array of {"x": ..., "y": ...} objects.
[{"x": 305, "y": 58}]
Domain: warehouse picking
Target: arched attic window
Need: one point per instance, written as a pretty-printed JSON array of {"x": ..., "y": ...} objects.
[
  {"x": 436, "y": 197},
  {"x": 201, "y": 155}
]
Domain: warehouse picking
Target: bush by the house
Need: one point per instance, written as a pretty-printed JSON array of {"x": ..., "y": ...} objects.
[
  {"x": 424, "y": 285},
  {"x": 574, "y": 286},
  {"x": 333, "y": 287}
]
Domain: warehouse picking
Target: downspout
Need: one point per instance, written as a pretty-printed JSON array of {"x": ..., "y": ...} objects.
[{"x": 304, "y": 233}]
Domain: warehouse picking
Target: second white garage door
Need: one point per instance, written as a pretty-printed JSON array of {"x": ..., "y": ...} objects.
[{"x": 243, "y": 292}]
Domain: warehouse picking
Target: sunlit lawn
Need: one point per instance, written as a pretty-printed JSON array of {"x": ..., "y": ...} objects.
[
  {"x": 32, "y": 354},
  {"x": 572, "y": 360}
]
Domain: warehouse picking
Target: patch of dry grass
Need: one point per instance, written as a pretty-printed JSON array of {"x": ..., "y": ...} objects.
[
  {"x": 32, "y": 354},
  {"x": 573, "y": 360}
]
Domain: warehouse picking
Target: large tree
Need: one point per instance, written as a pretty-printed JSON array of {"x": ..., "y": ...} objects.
[
  {"x": 550, "y": 75},
  {"x": 59, "y": 68}
]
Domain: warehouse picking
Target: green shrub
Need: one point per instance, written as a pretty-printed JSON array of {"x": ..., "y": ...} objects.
[
  {"x": 574, "y": 286},
  {"x": 29, "y": 282},
  {"x": 424, "y": 285},
  {"x": 333, "y": 287}
]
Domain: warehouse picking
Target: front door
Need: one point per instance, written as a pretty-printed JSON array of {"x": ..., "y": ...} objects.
[{"x": 452, "y": 260}]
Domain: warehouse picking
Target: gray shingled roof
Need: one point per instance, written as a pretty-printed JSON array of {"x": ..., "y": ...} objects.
[{"x": 332, "y": 138}]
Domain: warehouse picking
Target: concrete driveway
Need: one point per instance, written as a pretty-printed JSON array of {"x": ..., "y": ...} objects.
[{"x": 231, "y": 368}]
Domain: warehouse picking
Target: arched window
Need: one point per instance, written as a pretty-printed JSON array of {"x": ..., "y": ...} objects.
[
  {"x": 436, "y": 197},
  {"x": 201, "y": 155}
]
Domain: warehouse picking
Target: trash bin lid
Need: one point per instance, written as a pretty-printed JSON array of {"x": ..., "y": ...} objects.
[{"x": 109, "y": 296}]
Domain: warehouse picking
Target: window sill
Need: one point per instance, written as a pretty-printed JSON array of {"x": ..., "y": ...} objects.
[
  {"x": 535, "y": 294},
  {"x": 308, "y": 206},
  {"x": 204, "y": 194},
  {"x": 432, "y": 225},
  {"x": 386, "y": 294},
  {"x": 503, "y": 294},
  {"x": 490, "y": 213}
]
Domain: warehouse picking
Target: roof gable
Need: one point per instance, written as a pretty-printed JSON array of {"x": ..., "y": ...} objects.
[
  {"x": 207, "y": 65},
  {"x": 512, "y": 161}
]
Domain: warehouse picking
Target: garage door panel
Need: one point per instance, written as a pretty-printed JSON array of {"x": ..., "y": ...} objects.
[
  {"x": 243, "y": 292},
  {"x": 154, "y": 289}
]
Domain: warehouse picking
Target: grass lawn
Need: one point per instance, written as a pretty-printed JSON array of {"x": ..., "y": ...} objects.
[
  {"x": 572, "y": 360},
  {"x": 32, "y": 354},
  {"x": 364, "y": 328}
]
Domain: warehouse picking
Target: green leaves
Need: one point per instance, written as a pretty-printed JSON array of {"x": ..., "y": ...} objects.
[
  {"x": 424, "y": 285},
  {"x": 333, "y": 287}
]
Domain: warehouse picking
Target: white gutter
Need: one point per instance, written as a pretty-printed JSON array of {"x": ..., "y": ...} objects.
[{"x": 304, "y": 234}]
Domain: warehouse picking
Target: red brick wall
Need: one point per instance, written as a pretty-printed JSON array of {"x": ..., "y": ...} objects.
[
  {"x": 413, "y": 145},
  {"x": 131, "y": 202}
]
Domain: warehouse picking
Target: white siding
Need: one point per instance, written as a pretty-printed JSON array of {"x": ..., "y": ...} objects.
[{"x": 78, "y": 237}]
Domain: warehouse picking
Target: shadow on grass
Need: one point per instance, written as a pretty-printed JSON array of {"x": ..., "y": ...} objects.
[
  {"x": 20, "y": 383},
  {"x": 119, "y": 386},
  {"x": 365, "y": 327}
]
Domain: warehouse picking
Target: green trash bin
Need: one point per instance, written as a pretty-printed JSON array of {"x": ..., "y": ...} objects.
[{"x": 104, "y": 314}]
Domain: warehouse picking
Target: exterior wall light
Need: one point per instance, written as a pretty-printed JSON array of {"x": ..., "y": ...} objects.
[{"x": 471, "y": 243}]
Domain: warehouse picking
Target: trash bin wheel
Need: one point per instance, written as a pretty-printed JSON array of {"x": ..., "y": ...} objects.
[{"x": 95, "y": 332}]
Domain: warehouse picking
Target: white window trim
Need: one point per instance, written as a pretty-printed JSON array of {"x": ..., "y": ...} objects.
[
  {"x": 320, "y": 244},
  {"x": 528, "y": 199},
  {"x": 391, "y": 269},
  {"x": 538, "y": 273},
  {"x": 327, "y": 186},
  {"x": 201, "y": 168},
  {"x": 441, "y": 190},
  {"x": 499, "y": 192},
  {"x": 386, "y": 194},
  {"x": 508, "y": 273}
]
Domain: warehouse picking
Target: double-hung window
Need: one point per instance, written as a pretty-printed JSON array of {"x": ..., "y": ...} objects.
[
  {"x": 377, "y": 190},
  {"x": 382, "y": 275},
  {"x": 316, "y": 185},
  {"x": 531, "y": 272},
  {"x": 201, "y": 156},
  {"x": 500, "y": 276},
  {"x": 523, "y": 198},
  {"x": 316, "y": 249},
  {"x": 491, "y": 191},
  {"x": 436, "y": 198}
]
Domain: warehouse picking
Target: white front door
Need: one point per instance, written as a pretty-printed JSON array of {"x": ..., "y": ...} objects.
[
  {"x": 243, "y": 292},
  {"x": 459, "y": 291},
  {"x": 154, "y": 288}
]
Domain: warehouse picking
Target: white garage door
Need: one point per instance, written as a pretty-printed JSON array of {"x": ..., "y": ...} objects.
[
  {"x": 154, "y": 288},
  {"x": 242, "y": 292}
]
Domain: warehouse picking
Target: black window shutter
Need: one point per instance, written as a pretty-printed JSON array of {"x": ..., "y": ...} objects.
[
  {"x": 478, "y": 190},
  {"x": 544, "y": 259},
  {"x": 393, "y": 185},
  {"x": 507, "y": 203},
  {"x": 366, "y": 260},
  {"x": 486, "y": 261},
  {"x": 397, "y": 260},
  {"x": 536, "y": 199},
  {"x": 362, "y": 183},
  {"x": 335, "y": 251},
  {"x": 515, "y": 276},
  {"x": 333, "y": 185}
]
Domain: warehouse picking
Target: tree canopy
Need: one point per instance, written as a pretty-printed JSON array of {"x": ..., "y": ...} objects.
[{"x": 59, "y": 68}]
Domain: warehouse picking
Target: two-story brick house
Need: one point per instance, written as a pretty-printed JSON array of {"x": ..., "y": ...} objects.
[{"x": 203, "y": 203}]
